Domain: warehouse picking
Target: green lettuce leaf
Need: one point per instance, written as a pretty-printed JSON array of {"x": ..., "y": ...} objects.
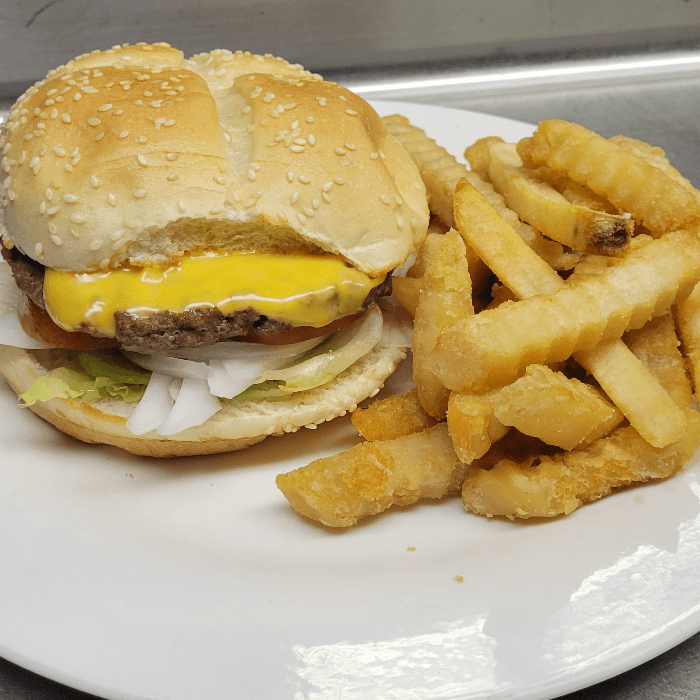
[{"x": 96, "y": 379}]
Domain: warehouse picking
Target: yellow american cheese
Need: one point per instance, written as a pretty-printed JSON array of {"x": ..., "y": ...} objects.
[{"x": 304, "y": 290}]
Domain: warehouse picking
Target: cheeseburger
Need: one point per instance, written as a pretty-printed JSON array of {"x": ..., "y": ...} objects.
[{"x": 202, "y": 246}]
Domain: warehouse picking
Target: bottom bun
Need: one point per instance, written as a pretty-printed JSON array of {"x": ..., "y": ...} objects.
[{"x": 235, "y": 426}]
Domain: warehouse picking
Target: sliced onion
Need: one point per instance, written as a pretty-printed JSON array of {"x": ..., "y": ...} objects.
[
  {"x": 229, "y": 384},
  {"x": 235, "y": 350},
  {"x": 172, "y": 366},
  {"x": 154, "y": 407},
  {"x": 194, "y": 406}
]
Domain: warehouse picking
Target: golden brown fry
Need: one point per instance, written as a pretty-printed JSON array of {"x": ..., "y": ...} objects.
[
  {"x": 472, "y": 424},
  {"x": 688, "y": 319},
  {"x": 500, "y": 294},
  {"x": 478, "y": 155},
  {"x": 548, "y": 211},
  {"x": 372, "y": 476},
  {"x": 406, "y": 290},
  {"x": 559, "y": 411},
  {"x": 425, "y": 251},
  {"x": 445, "y": 299},
  {"x": 656, "y": 345},
  {"x": 548, "y": 486},
  {"x": 493, "y": 347},
  {"x": 649, "y": 194},
  {"x": 497, "y": 243},
  {"x": 575, "y": 192},
  {"x": 390, "y": 418}
]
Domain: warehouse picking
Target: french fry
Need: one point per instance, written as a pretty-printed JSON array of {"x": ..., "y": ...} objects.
[
  {"x": 392, "y": 417},
  {"x": 406, "y": 290},
  {"x": 548, "y": 211},
  {"x": 574, "y": 192},
  {"x": 559, "y": 411},
  {"x": 656, "y": 346},
  {"x": 547, "y": 486},
  {"x": 649, "y": 194},
  {"x": 478, "y": 155},
  {"x": 372, "y": 476},
  {"x": 688, "y": 319},
  {"x": 425, "y": 251},
  {"x": 473, "y": 424},
  {"x": 445, "y": 299}
]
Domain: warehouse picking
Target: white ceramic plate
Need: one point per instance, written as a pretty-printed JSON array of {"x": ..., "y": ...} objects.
[{"x": 193, "y": 578}]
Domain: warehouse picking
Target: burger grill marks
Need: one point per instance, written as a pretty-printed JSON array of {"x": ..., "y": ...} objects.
[{"x": 168, "y": 331}]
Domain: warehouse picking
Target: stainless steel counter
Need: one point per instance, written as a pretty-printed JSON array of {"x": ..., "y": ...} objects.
[{"x": 654, "y": 97}]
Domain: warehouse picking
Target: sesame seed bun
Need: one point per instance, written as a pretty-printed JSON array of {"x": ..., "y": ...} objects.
[{"x": 137, "y": 155}]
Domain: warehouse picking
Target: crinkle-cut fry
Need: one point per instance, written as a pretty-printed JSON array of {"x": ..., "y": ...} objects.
[
  {"x": 492, "y": 348},
  {"x": 440, "y": 172},
  {"x": 424, "y": 252},
  {"x": 688, "y": 319},
  {"x": 446, "y": 297},
  {"x": 648, "y": 193},
  {"x": 554, "y": 408},
  {"x": 478, "y": 155},
  {"x": 372, "y": 476},
  {"x": 549, "y": 486},
  {"x": 631, "y": 387},
  {"x": 406, "y": 290},
  {"x": 655, "y": 157},
  {"x": 472, "y": 424},
  {"x": 392, "y": 417},
  {"x": 657, "y": 347},
  {"x": 498, "y": 244},
  {"x": 541, "y": 206},
  {"x": 574, "y": 192}
]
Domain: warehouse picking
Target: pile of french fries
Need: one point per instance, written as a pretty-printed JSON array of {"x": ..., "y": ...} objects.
[{"x": 556, "y": 347}]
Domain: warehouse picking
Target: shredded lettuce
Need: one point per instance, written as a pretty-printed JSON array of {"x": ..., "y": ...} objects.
[{"x": 94, "y": 380}]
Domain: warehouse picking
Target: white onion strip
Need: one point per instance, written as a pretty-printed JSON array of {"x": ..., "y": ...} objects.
[
  {"x": 194, "y": 406},
  {"x": 154, "y": 407}
]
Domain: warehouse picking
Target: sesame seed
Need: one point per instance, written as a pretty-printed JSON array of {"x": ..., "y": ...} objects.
[
  {"x": 256, "y": 92},
  {"x": 310, "y": 119},
  {"x": 181, "y": 207},
  {"x": 171, "y": 156},
  {"x": 123, "y": 134},
  {"x": 142, "y": 139},
  {"x": 326, "y": 198},
  {"x": 34, "y": 162},
  {"x": 130, "y": 224},
  {"x": 117, "y": 235},
  {"x": 147, "y": 93},
  {"x": 172, "y": 176},
  {"x": 94, "y": 181},
  {"x": 294, "y": 124},
  {"x": 140, "y": 194},
  {"x": 170, "y": 122},
  {"x": 328, "y": 186},
  {"x": 53, "y": 210},
  {"x": 350, "y": 146},
  {"x": 42, "y": 207},
  {"x": 300, "y": 142},
  {"x": 100, "y": 136},
  {"x": 118, "y": 112},
  {"x": 77, "y": 96},
  {"x": 70, "y": 198},
  {"x": 374, "y": 155},
  {"x": 11, "y": 195},
  {"x": 400, "y": 221},
  {"x": 246, "y": 109},
  {"x": 49, "y": 193},
  {"x": 252, "y": 174},
  {"x": 303, "y": 179},
  {"x": 309, "y": 211},
  {"x": 104, "y": 263},
  {"x": 296, "y": 149},
  {"x": 75, "y": 152},
  {"x": 311, "y": 139},
  {"x": 111, "y": 200},
  {"x": 65, "y": 118},
  {"x": 37, "y": 249},
  {"x": 339, "y": 181},
  {"x": 282, "y": 216},
  {"x": 94, "y": 121},
  {"x": 218, "y": 210},
  {"x": 302, "y": 218},
  {"x": 55, "y": 239},
  {"x": 69, "y": 167},
  {"x": 77, "y": 219},
  {"x": 385, "y": 199},
  {"x": 52, "y": 228},
  {"x": 340, "y": 151},
  {"x": 219, "y": 180},
  {"x": 74, "y": 231},
  {"x": 351, "y": 112},
  {"x": 60, "y": 152},
  {"x": 96, "y": 245},
  {"x": 315, "y": 203},
  {"x": 269, "y": 96},
  {"x": 343, "y": 98},
  {"x": 398, "y": 199},
  {"x": 295, "y": 198},
  {"x": 141, "y": 159},
  {"x": 105, "y": 107}
]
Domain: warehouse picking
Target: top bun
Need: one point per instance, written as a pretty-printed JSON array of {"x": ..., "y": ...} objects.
[{"x": 137, "y": 155}]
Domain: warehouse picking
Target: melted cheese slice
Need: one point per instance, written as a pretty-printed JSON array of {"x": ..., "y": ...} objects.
[{"x": 303, "y": 290}]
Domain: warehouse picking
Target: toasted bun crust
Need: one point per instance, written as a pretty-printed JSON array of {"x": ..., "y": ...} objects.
[
  {"x": 134, "y": 154},
  {"x": 236, "y": 426}
]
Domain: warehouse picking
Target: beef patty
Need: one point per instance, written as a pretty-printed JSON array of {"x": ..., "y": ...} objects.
[{"x": 168, "y": 330}]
